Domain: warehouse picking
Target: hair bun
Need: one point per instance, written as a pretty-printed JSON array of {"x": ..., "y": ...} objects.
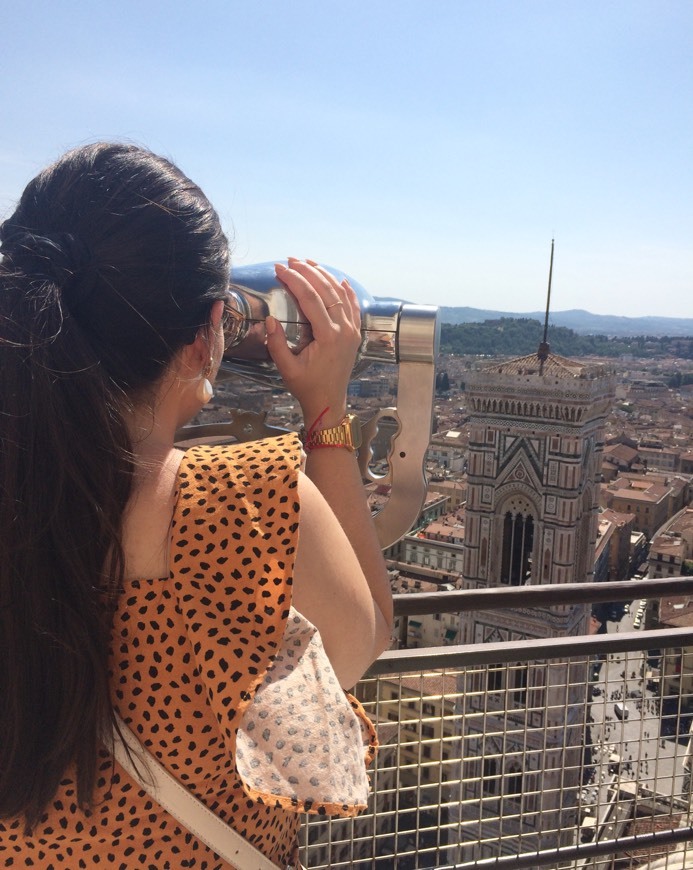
[{"x": 56, "y": 257}]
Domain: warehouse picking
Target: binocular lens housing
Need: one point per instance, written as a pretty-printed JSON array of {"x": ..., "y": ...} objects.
[{"x": 391, "y": 330}]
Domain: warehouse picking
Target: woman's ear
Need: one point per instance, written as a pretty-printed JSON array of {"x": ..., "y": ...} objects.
[
  {"x": 216, "y": 314},
  {"x": 207, "y": 346},
  {"x": 202, "y": 348}
]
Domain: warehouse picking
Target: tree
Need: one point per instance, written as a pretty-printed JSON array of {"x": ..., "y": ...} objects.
[{"x": 442, "y": 382}]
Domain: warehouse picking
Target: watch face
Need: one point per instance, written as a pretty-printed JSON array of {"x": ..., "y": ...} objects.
[
  {"x": 354, "y": 427},
  {"x": 349, "y": 435}
]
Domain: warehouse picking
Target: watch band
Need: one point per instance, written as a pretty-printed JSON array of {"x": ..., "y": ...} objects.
[{"x": 347, "y": 433}]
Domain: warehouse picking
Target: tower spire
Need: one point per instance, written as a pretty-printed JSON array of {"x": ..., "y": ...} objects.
[{"x": 543, "y": 351}]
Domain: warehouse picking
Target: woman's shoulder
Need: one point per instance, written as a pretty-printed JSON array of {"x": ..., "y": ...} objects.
[
  {"x": 256, "y": 480},
  {"x": 268, "y": 459}
]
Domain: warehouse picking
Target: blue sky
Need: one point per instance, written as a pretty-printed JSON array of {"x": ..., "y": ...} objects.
[{"x": 431, "y": 149}]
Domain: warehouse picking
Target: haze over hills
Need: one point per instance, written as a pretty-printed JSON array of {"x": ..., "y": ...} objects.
[{"x": 582, "y": 322}]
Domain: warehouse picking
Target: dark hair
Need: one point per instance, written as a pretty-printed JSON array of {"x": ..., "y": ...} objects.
[{"x": 111, "y": 262}]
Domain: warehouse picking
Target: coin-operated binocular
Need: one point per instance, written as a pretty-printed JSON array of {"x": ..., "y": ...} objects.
[{"x": 392, "y": 332}]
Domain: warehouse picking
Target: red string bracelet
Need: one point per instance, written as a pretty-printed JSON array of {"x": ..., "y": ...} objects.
[{"x": 307, "y": 435}]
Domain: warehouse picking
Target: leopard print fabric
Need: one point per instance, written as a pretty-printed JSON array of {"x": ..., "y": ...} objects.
[{"x": 189, "y": 653}]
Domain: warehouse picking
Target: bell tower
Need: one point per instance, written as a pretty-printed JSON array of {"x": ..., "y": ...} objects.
[
  {"x": 535, "y": 447},
  {"x": 534, "y": 466}
]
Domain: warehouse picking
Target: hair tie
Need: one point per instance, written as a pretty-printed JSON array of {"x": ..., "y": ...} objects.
[{"x": 60, "y": 258}]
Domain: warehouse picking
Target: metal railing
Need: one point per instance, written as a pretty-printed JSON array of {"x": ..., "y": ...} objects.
[{"x": 565, "y": 752}]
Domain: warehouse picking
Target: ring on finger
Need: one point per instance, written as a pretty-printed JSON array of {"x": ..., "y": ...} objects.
[{"x": 327, "y": 307}]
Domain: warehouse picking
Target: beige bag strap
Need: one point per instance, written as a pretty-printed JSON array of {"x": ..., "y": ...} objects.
[{"x": 184, "y": 806}]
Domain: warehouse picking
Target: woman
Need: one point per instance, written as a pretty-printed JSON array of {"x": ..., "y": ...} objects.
[{"x": 158, "y": 585}]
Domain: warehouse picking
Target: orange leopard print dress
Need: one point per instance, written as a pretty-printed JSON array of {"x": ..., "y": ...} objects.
[{"x": 222, "y": 680}]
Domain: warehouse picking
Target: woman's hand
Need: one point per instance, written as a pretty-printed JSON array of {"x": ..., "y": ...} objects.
[
  {"x": 340, "y": 581},
  {"x": 318, "y": 376}
]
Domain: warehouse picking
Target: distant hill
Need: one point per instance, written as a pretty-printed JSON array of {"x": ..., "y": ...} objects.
[
  {"x": 516, "y": 337},
  {"x": 582, "y": 322}
]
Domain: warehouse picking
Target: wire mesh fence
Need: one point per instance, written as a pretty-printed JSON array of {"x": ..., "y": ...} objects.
[{"x": 535, "y": 760}]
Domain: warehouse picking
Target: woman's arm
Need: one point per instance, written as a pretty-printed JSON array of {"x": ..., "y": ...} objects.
[
  {"x": 341, "y": 582},
  {"x": 350, "y": 605}
]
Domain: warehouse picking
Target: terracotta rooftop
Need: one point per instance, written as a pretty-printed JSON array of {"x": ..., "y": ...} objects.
[
  {"x": 682, "y": 522},
  {"x": 665, "y": 451},
  {"x": 450, "y": 483},
  {"x": 555, "y": 366},
  {"x": 668, "y": 545},
  {"x": 604, "y": 535},
  {"x": 622, "y": 452},
  {"x": 446, "y": 528},
  {"x": 618, "y": 518},
  {"x": 647, "y": 825},
  {"x": 652, "y": 493},
  {"x": 676, "y": 612}
]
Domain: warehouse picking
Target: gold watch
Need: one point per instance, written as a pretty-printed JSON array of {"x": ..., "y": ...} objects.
[{"x": 347, "y": 433}]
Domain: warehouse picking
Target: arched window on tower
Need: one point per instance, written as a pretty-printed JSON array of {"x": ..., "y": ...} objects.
[
  {"x": 520, "y": 677},
  {"x": 512, "y": 783},
  {"x": 490, "y": 776},
  {"x": 518, "y": 539}
]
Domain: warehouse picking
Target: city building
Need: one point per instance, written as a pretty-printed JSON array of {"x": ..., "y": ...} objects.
[
  {"x": 447, "y": 451},
  {"x": 687, "y": 462},
  {"x": 445, "y": 556},
  {"x": 653, "y": 498},
  {"x": 673, "y": 547},
  {"x": 639, "y": 546},
  {"x": 617, "y": 458},
  {"x": 659, "y": 457},
  {"x": 620, "y": 554},
  {"x": 426, "y": 629},
  {"x": 455, "y": 488},
  {"x": 676, "y": 670},
  {"x": 602, "y": 549}
]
